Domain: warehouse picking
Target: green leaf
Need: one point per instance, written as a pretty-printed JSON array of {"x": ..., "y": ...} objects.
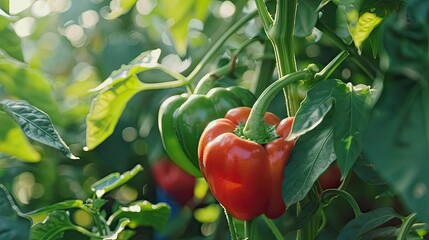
[
  {"x": 384, "y": 233},
  {"x": 10, "y": 42},
  {"x": 306, "y": 17},
  {"x": 143, "y": 213},
  {"x": 53, "y": 227},
  {"x": 119, "y": 228},
  {"x": 35, "y": 124},
  {"x": 366, "y": 23},
  {"x": 397, "y": 140},
  {"x": 180, "y": 13},
  {"x": 366, "y": 222},
  {"x": 311, "y": 156},
  {"x": 367, "y": 171},
  {"x": 113, "y": 181},
  {"x": 13, "y": 141},
  {"x": 327, "y": 234},
  {"x": 119, "y": 8},
  {"x": 322, "y": 4},
  {"x": 29, "y": 84},
  {"x": 13, "y": 225},
  {"x": 42, "y": 212},
  {"x": 4, "y": 5},
  {"x": 115, "y": 93},
  {"x": 351, "y": 116},
  {"x": 314, "y": 107}
]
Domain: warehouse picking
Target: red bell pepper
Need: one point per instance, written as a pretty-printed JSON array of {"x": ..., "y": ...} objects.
[{"x": 245, "y": 176}]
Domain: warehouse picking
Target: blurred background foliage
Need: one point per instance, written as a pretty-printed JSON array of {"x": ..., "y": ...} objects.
[{"x": 55, "y": 51}]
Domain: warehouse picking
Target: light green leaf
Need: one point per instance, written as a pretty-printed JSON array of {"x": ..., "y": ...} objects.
[
  {"x": 35, "y": 124},
  {"x": 115, "y": 92},
  {"x": 13, "y": 224},
  {"x": 119, "y": 8},
  {"x": 311, "y": 156},
  {"x": 114, "y": 180},
  {"x": 5, "y": 5},
  {"x": 10, "y": 42},
  {"x": 180, "y": 13},
  {"x": 366, "y": 23},
  {"x": 313, "y": 109},
  {"x": 143, "y": 213},
  {"x": 13, "y": 141},
  {"x": 25, "y": 83},
  {"x": 53, "y": 227},
  {"x": 41, "y": 213},
  {"x": 106, "y": 109},
  {"x": 366, "y": 222},
  {"x": 351, "y": 116}
]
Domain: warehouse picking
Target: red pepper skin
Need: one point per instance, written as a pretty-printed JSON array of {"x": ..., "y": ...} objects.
[
  {"x": 244, "y": 176},
  {"x": 177, "y": 183},
  {"x": 331, "y": 178}
]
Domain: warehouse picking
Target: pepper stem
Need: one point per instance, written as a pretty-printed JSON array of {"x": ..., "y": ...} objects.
[{"x": 255, "y": 128}]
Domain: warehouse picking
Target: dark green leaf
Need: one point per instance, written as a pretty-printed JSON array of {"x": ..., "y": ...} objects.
[
  {"x": 386, "y": 232},
  {"x": 367, "y": 171},
  {"x": 314, "y": 107},
  {"x": 53, "y": 227},
  {"x": 327, "y": 234},
  {"x": 35, "y": 124},
  {"x": 311, "y": 156},
  {"x": 365, "y": 223},
  {"x": 114, "y": 180},
  {"x": 13, "y": 225},
  {"x": 397, "y": 140},
  {"x": 10, "y": 42},
  {"x": 322, "y": 4},
  {"x": 143, "y": 213},
  {"x": 306, "y": 17},
  {"x": 306, "y": 213},
  {"x": 120, "y": 7},
  {"x": 351, "y": 116}
]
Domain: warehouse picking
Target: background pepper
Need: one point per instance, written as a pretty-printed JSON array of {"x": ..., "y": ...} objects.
[
  {"x": 245, "y": 176},
  {"x": 182, "y": 119}
]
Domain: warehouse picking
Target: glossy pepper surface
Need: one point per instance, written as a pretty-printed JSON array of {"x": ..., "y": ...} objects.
[
  {"x": 182, "y": 119},
  {"x": 244, "y": 176}
]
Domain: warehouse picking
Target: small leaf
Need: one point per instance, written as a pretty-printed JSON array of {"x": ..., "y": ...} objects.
[
  {"x": 366, "y": 222},
  {"x": 5, "y": 5},
  {"x": 10, "y": 42},
  {"x": 35, "y": 124},
  {"x": 313, "y": 109},
  {"x": 53, "y": 227},
  {"x": 14, "y": 142},
  {"x": 13, "y": 225},
  {"x": 119, "y": 228},
  {"x": 351, "y": 116},
  {"x": 143, "y": 213},
  {"x": 113, "y": 181},
  {"x": 311, "y": 156},
  {"x": 38, "y": 213},
  {"x": 366, "y": 23},
  {"x": 119, "y": 7},
  {"x": 306, "y": 17}
]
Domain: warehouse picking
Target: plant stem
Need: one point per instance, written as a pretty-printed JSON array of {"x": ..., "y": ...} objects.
[
  {"x": 345, "y": 195},
  {"x": 263, "y": 72},
  {"x": 211, "y": 53},
  {"x": 248, "y": 229},
  {"x": 230, "y": 222},
  {"x": 406, "y": 226},
  {"x": 273, "y": 228},
  {"x": 332, "y": 65},
  {"x": 255, "y": 128}
]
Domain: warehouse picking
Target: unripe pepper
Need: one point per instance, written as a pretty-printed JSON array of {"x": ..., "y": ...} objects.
[
  {"x": 245, "y": 176},
  {"x": 182, "y": 119}
]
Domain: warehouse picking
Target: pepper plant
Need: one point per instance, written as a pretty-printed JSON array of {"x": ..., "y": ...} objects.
[{"x": 349, "y": 78}]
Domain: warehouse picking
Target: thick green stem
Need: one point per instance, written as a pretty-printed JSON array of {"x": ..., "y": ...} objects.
[
  {"x": 212, "y": 52},
  {"x": 277, "y": 234},
  {"x": 406, "y": 226},
  {"x": 263, "y": 72},
  {"x": 332, "y": 65},
  {"x": 255, "y": 128}
]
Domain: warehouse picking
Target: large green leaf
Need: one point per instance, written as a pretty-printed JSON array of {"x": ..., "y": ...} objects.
[
  {"x": 306, "y": 17},
  {"x": 29, "y": 84},
  {"x": 397, "y": 140},
  {"x": 120, "y": 7},
  {"x": 352, "y": 110},
  {"x": 35, "y": 124},
  {"x": 365, "y": 223},
  {"x": 311, "y": 156},
  {"x": 114, "y": 180},
  {"x": 180, "y": 13},
  {"x": 315, "y": 106},
  {"x": 13, "y": 225},
  {"x": 13, "y": 141},
  {"x": 143, "y": 213},
  {"x": 115, "y": 92}
]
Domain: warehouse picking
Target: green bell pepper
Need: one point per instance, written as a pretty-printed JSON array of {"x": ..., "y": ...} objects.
[{"x": 182, "y": 119}]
